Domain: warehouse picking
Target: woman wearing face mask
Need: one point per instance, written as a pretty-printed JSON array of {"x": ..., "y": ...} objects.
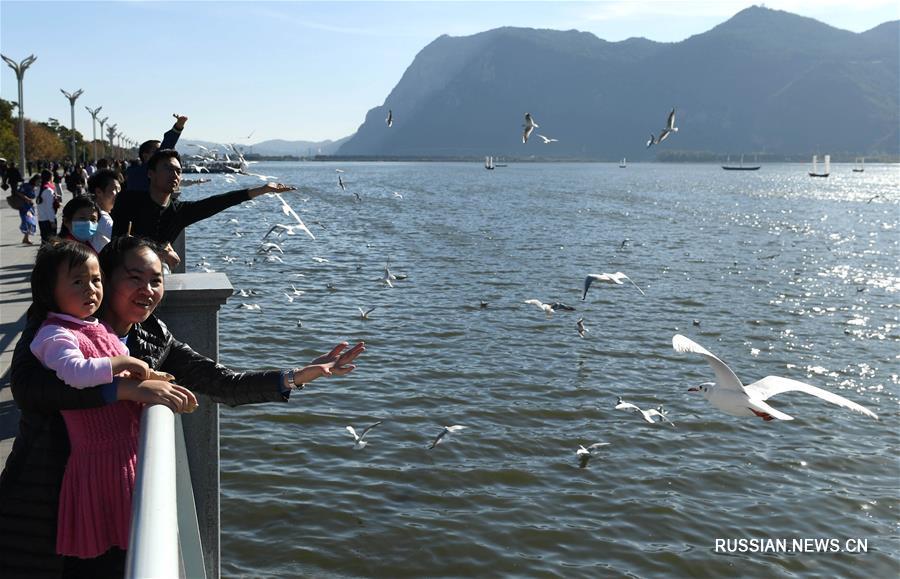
[
  {"x": 79, "y": 220},
  {"x": 104, "y": 187}
]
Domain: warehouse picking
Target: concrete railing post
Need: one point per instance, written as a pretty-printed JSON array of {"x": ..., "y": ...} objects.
[{"x": 190, "y": 310}]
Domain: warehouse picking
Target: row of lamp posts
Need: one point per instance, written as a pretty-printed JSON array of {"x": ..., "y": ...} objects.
[{"x": 20, "y": 68}]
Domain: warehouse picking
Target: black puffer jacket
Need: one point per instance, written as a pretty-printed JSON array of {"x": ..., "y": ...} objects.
[{"x": 31, "y": 482}]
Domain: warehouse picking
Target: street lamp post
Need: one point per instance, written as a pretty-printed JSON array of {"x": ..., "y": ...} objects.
[
  {"x": 102, "y": 140},
  {"x": 72, "y": 98},
  {"x": 94, "y": 113},
  {"x": 111, "y": 133},
  {"x": 20, "y": 69}
]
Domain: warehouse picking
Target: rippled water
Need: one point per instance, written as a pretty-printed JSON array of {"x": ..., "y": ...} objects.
[{"x": 784, "y": 274}]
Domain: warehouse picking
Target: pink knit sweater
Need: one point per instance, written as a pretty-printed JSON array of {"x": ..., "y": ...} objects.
[{"x": 95, "y": 500}]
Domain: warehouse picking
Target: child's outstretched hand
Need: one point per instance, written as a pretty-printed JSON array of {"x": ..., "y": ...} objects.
[
  {"x": 136, "y": 368},
  {"x": 158, "y": 391}
]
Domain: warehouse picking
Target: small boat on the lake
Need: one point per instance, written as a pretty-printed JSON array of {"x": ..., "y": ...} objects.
[
  {"x": 740, "y": 167},
  {"x": 860, "y": 165},
  {"x": 489, "y": 163},
  {"x": 622, "y": 165},
  {"x": 815, "y": 167}
]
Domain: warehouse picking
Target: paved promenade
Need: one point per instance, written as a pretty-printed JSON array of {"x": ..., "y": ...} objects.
[{"x": 16, "y": 261}]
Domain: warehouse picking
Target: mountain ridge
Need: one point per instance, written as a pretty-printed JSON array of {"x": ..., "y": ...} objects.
[{"x": 763, "y": 80}]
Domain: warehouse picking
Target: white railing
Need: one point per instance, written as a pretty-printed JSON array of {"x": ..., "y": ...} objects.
[{"x": 163, "y": 519}]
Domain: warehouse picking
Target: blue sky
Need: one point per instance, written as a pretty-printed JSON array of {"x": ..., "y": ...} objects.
[{"x": 297, "y": 70}]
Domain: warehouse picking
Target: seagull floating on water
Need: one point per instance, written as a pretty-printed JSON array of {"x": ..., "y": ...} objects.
[
  {"x": 613, "y": 278},
  {"x": 730, "y": 396},
  {"x": 249, "y": 307},
  {"x": 447, "y": 430},
  {"x": 359, "y": 438},
  {"x": 647, "y": 414},
  {"x": 530, "y": 126},
  {"x": 556, "y": 306}
]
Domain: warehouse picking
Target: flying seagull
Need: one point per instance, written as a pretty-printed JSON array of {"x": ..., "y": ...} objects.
[
  {"x": 585, "y": 454},
  {"x": 590, "y": 449},
  {"x": 547, "y": 308},
  {"x": 547, "y": 140},
  {"x": 581, "y": 329},
  {"x": 730, "y": 396},
  {"x": 390, "y": 118},
  {"x": 647, "y": 414},
  {"x": 614, "y": 278},
  {"x": 530, "y": 126},
  {"x": 669, "y": 129},
  {"x": 364, "y": 315},
  {"x": 341, "y": 183},
  {"x": 279, "y": 228},
  {"x": 388, "y": 277},
  {"x": 288, "y": 210},
  {"x": 359, "y": 438},
  {"x": 447, "y": 430},
  {"x": 268, "y": 246}
]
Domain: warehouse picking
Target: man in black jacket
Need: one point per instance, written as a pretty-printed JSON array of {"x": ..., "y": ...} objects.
[{"x": 159, "y": 215}]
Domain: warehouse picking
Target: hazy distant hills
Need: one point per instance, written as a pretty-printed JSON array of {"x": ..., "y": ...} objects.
[
  {"x": 271, "y": 148},
  {"x": 764, "y": 81}
]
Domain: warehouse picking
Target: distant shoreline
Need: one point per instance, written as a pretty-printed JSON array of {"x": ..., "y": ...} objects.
[{"x": 718, "y": 160}]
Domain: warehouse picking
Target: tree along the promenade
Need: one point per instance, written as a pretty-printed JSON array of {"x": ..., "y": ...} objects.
[
  {"x": 41, "y": 143},
  {"x": 9, "y": 142}
]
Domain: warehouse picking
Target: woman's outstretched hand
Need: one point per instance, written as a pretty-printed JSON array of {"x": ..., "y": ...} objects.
[{"x": 337, "y": 362}]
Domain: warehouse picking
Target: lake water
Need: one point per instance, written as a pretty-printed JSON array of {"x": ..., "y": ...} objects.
[{"x": 773, "y": 271}]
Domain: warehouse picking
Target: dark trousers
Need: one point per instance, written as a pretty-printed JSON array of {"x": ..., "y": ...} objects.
[
  {"x": 48, "y": 230},
  {"x": 109, "y": 565}
]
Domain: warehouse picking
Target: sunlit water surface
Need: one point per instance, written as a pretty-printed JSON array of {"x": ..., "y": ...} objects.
[{"x": 773, "y": 271}]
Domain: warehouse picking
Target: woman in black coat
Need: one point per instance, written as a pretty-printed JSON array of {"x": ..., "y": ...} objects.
[{"x": 31, "y": 481}]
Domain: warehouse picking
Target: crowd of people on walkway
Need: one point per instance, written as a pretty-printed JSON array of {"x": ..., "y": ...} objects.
[{"x": 93, "y": 353}]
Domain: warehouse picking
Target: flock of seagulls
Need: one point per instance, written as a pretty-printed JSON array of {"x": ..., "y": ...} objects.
[
  {"x": 530, "y": 125},
  {"x": 726, "y": 394}
]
